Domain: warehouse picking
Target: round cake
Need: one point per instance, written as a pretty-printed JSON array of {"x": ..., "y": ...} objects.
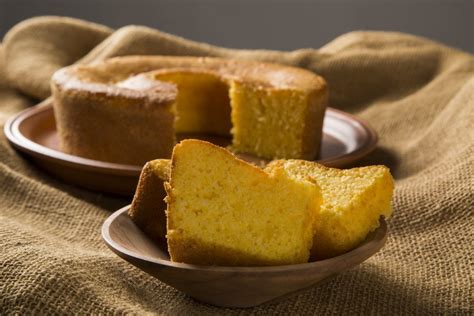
[{"x": 129, "y": 109}]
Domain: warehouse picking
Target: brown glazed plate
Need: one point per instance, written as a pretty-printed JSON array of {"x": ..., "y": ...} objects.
[
  {"x": 229, "y": 286},
  {"x": 33, "y": 133}
]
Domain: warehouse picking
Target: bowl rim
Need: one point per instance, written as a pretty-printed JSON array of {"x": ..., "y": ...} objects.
[{"x": 374, "y": 245}]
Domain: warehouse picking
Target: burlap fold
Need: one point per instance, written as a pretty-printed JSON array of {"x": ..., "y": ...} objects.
[{"x": 418, "y": 95}]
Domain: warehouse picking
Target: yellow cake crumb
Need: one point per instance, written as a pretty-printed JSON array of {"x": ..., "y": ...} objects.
[
  {"x": 353, "y": 201},
  {"x": 224, "y": 211},
  {"x": 202, "y": 104},
  {"x": 275, "y": 123}
]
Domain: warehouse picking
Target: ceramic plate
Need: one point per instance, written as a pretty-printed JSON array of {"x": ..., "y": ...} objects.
[{"x": 33, "y": 132}]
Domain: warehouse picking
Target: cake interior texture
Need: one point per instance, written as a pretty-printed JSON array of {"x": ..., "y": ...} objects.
[
  {"x": 275, "y": 122},
  {"x": 269, "y": 122},
  {"x": 352, "y": 202},
  {"x": 224, "y": 211},
  {"x": 202, "y": 104}
]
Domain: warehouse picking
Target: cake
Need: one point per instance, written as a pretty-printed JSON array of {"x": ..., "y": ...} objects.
[
  {"x": 129, "y": 109},
  {"x": 352, "y": 202},
  {"x": 148, "y": 205},
  {"x": 224, "y": 211}
]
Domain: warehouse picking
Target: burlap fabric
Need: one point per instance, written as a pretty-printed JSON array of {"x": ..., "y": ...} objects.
[{"x": 418, "y": 95}]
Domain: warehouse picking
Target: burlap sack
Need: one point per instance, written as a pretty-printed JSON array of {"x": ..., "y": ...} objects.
[{"x": 418, "y": 95}]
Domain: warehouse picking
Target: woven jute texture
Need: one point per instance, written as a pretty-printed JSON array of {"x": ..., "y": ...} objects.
[{"x": 417, "y": 94}]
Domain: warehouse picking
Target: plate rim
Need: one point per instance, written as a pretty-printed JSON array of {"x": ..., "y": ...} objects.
[
  {"x": 378, "y": 241},
  {"x": 27, "y": 146}
]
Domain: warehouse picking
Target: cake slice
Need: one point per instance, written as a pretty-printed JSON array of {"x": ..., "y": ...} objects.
[
  {"x": 224, "y": 211},
  {"x": 148, "y": 206},
  {"x": 353, "y": 201}
]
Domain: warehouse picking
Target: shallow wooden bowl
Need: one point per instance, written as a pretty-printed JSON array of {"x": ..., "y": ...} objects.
[{"x": 228, "y": 286}]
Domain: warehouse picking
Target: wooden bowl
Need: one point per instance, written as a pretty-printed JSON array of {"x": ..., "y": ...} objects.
[{"x": 228, "y": 286}]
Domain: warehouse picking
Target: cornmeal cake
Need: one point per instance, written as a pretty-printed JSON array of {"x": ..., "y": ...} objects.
[
  {"x": 353, "y": 201},
  {"x": 224, "y": 211},
  {"x": 148, "y": 205},
  {"x": 129, "y": 109}
]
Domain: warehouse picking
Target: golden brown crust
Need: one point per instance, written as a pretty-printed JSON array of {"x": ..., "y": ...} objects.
[
  {"x": 148, "y": 206},
  {"x": 105, "y": 74},
  {"x": 95, "y": 129}
]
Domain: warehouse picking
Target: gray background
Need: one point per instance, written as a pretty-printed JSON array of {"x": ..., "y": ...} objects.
[{"x": 278, "y": 24}]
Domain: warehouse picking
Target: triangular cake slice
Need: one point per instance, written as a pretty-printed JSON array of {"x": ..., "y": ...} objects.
[
  {"x": 224, "y": 211},
  {"x": 353, "y": 201}
]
